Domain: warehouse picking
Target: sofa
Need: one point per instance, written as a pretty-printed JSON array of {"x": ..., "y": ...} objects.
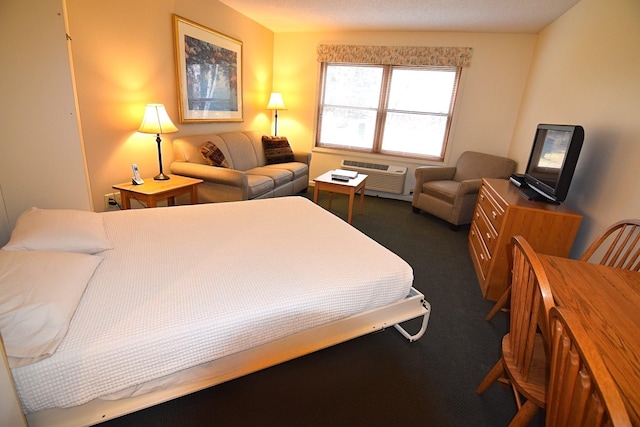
[
  {"x": 241, "y": 166},
  {"x": 450, "y": 193}
]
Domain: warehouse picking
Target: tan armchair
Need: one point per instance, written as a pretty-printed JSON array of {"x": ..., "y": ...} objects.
[{"x": 450, "y": 192}]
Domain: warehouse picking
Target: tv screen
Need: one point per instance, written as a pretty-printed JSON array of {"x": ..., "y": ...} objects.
[{"x": 552, "y": 162}]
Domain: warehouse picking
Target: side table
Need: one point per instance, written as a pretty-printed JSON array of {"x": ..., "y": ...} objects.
[
  {"x": 325, "y": 183},
  {"x": 152, "y": 191}
]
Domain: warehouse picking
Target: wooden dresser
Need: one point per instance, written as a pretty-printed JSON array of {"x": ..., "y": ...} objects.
[{"x": 500, "y": 213}]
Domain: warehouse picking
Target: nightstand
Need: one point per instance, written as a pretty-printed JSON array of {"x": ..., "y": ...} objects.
[{"x": 152, "y": 191}]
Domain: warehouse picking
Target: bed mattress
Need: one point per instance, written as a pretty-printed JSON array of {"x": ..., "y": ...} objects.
[{"x": 189, "y": 284}]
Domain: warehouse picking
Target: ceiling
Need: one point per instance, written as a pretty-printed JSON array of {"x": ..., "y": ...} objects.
[{"x": 504, "y": 16}]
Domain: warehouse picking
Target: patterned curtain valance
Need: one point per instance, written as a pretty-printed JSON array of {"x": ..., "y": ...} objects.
[{"x": 396, "y": 55}]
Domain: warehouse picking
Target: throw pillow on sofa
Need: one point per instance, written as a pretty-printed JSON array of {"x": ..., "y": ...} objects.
[
  {"x": 213, "y": 155},
  {"x": 277, "y": 149}
]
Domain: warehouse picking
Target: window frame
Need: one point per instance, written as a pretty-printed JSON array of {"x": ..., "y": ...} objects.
[{"x": 382, "y": 110}]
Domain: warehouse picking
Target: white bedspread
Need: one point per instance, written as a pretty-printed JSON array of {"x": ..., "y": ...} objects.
[{"x": 189, "y": 284}]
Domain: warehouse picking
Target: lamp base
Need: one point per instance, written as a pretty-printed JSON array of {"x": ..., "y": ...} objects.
[{"x": 161, "y": 177}]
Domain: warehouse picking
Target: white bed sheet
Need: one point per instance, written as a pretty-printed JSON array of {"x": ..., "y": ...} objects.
[{"x": 189, "y": 284}]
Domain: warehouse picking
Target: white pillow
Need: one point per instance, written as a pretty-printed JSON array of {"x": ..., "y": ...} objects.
[
  {"x": 39, "y": 293},
  {"x": 64, "y": 230}
]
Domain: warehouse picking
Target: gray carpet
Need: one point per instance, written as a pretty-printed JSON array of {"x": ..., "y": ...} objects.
[{"x": 379, "y": 379}]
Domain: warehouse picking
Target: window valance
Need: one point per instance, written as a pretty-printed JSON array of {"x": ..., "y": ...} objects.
[{"x": 396, "y": 55}]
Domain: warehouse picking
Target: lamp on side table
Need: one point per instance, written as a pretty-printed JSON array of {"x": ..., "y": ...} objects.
[{"x": 156, "y": 120}]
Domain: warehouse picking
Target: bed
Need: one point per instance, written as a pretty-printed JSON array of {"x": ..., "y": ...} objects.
[{"x": 187, "y": 297}]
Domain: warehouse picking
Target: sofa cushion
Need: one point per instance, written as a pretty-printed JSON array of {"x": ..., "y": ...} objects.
[
  {"x": 298, "y": 169},
  {"x": 213, "y": 155},
  {"x": 241, "y": 150},
  {"x": 258, "y": 185},
  {"x": 279, "y": 176},
  {"x": 187, "y": 148},
  {"x": 443, "y": 190},
  {"x": 276, "y": 149}
]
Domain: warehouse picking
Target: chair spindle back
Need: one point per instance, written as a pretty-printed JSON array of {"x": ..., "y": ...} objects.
[
  {"x": 581, "y": 390},
  {"x": 618, "y": 246},
  {"x": 531, "y": 300}
]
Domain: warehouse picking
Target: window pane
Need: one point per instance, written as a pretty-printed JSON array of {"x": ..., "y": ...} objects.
[
  {"x": 427, "y": 91},
  {"x": 421, "y": 134},
  {"x": 352, "y": 86},
  {"x": 416, "y": 108},
  {"x": 347, "y": 127}
]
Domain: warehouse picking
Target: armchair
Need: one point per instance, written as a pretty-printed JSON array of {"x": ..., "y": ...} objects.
[{"x": 450, "y": 192}]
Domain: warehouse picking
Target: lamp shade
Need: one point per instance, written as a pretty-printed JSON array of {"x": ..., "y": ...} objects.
[
  {"x": 156, "y": 120},
  {"x": 276, "y": 102}
]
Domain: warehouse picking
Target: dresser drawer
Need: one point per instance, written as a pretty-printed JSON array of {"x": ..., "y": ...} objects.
[
  {"x": 485, "y": 229},
  {"x": 480, "y": 253},
  {"x": 493, "y": 210}
]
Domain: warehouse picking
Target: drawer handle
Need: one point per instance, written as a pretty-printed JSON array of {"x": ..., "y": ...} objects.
[
  {"x": 494, "y": 214},
  {"x": 482, "y": 196},
  {"x": 488, "y": 236},
  {"x": 482, "y": 257}
]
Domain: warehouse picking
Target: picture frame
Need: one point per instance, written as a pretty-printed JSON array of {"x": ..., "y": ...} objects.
[{"x": 209, "y": 73}]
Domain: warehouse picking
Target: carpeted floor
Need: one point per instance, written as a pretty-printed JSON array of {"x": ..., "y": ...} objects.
[{"x": 379, "y": 379}]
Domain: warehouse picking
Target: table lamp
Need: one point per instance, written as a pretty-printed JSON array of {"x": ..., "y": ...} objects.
[
  {"x": 156, "y": 120},
  {"x": 276, "y": 103}
]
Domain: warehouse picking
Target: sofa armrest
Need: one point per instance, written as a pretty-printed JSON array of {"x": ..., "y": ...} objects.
[
  {"x": 302, "y": 157},
  {"x": 212, "y": 174}
]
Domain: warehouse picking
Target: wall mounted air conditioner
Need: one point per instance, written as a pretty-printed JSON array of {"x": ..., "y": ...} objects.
[{"x": 387, "y": 178}]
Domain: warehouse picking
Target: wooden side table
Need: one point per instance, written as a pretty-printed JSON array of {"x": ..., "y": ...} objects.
[
  {"x": 351, "y": 187},
  {"x": 152, "y": 191}
]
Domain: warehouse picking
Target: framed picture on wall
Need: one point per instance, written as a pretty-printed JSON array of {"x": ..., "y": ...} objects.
[{"x": 209, "y": 73}]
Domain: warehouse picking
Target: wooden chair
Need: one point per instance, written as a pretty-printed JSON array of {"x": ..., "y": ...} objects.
[
  {"x": 500, "y": 305},
  {"x": 618, "y": 246},
  {"x": 524, "y": 354},
  {"x": 581, "y": 390}
]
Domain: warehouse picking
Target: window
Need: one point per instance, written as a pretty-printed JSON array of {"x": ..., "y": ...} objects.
[{"x": 397, "y": 110}]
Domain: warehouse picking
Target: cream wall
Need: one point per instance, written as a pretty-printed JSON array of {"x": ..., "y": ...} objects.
[
  {"x": 124, "y": 58},
  {"x": 587, "y": 71},
  {"x": 490, "y": 94}
]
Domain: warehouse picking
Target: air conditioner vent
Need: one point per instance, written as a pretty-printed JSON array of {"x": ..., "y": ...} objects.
[
  {"x": 381, "y": 177},
  {"x": 364, "y": 165}
]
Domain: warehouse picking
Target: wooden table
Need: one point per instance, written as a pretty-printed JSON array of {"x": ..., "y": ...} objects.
[
  {"x": 351, "y": 187},
  {"x": 607, "y": 300},
  {"x": 153, "y": 191}
]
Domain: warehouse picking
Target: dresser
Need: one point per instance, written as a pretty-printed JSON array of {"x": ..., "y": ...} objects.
[{"x": 502, "y": 212}]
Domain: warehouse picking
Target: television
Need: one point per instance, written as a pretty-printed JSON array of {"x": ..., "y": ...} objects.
[{"x": 553, "y": 160}]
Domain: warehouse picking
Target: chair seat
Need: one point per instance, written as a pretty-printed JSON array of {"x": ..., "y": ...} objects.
[
  {"x": 534, "y": 388},
  {"x": 443, "y": 190}
]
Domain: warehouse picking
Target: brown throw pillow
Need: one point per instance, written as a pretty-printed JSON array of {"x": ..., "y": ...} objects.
[
  {"x": 277, "y": 149},
  {"x": 213, "y": 155}
]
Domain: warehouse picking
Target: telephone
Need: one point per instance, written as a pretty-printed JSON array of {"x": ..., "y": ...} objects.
[{"x": 136, "y": 175}]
